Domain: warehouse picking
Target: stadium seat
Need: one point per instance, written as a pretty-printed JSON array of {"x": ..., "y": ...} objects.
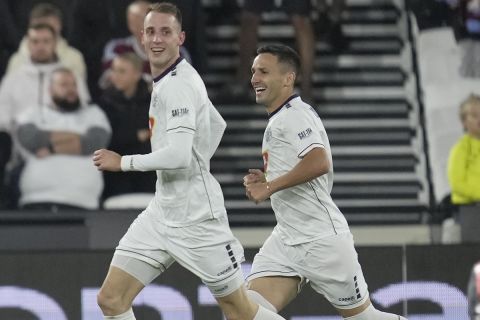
[{"x": 128, "y": 201}]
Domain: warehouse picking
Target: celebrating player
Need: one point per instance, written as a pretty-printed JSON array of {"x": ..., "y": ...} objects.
[
  {"x": 311, "y": 240},
  {"x": 186, "y": 220}
]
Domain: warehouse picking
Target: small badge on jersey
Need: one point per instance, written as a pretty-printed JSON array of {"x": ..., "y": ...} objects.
[
  {"x": 179, "y": 112},
  {"x": 154, "y": 100},
  {"x": 268, "y": 135},
  {"x": 305, "y": 133}
]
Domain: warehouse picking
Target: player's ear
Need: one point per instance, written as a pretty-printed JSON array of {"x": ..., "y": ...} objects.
[
  {"x": 181, "y": 37},
  {"x": 290, "y": 79}
]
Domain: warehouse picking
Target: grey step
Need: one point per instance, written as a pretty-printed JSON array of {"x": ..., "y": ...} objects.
[
  {"x": 325, "y": 78},
  {"x": 340, "y": 166},
  {"x": 341, "y": 61},
  {"x": 349, "y": 3},
  {"x": 325, "y": 109},
  {"x": 286, "y": 31},
  {"x": 394, "y": 191},
  {"x": 336, "y": 151},
  {"x": 329, "y": 123},
  {"x": 392, "y": 177},
  {"x": 366, "y": 203},
  {"x": 353, "y": 138},
  {"x": 223, "y": 47}
]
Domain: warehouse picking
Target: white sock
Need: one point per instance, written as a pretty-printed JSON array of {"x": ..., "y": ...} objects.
[
  {"x": 259, "y": 299},
  {"x": 128, "y": 315},
  {"x": 265, "y": 314},
  {"x": 373, "y": 314}
]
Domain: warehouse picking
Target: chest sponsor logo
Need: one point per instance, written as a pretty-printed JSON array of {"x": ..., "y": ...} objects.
[
  {"x": 179, "y": 112},
  {"x": 305, "y": 133}
]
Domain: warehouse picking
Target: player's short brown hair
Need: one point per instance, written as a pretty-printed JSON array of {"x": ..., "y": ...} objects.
[{"x": 167, "y": 7}]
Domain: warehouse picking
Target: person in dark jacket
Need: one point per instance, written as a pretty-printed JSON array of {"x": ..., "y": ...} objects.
[{"x": 126, "y": 104}]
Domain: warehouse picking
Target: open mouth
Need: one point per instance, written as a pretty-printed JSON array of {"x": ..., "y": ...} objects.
[
  {"x": 259, "y": 90},
  {"x": 157, "y": 50}
]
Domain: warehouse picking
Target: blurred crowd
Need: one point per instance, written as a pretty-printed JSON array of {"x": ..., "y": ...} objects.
[{"x": 75, "y": 78}]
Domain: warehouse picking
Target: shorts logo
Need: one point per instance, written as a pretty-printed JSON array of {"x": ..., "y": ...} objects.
[
  {"x": 305, "y": 133},
  {"x": 225, "y": 271},
  {"x": 221, "y": 289},
  {"x": 347, "y": 299},
  {"x": 179, "y": 112}
]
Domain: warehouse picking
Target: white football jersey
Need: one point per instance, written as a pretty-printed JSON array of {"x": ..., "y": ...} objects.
[
  {"x": 304, "y": 212},
  {"x": 180, "y": 104}
]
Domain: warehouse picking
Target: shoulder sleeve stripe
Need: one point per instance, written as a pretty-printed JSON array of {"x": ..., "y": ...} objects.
[
  {"x": 310, "y": 147},
  {"x": 181, "y": 127}
]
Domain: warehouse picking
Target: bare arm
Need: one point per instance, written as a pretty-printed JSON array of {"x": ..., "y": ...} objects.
[{"x": 314, "y": 164}]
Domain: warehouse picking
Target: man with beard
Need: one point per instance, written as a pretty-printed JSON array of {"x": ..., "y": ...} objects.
[
  {"x": 27, "y": 87},
  {"x": 56, "y": 143}
]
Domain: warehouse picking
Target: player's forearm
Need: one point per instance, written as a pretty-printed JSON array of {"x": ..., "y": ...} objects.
[
  {"x": 313, "y": 165},
  {"x": 176, "y": 155}
]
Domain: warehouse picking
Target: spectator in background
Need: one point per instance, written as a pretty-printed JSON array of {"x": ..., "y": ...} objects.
[
  {"x": 5, "y": 151},
  {"x": 299, "y": 11},
  {"x": 328, "y": 23},
  {"x": 467, "y": 23},
  {"x": 93, "y": 24},
  {"x": 136, "y": 12},
  {"x": 126, "y": 105},
  {"x": 57, "y": 143},
  {"x": 27, "y": 86},
  {"x": 47, "y": 13},
  {"x": 464, "y": 159},
  {"x": 11, "y": 35}
]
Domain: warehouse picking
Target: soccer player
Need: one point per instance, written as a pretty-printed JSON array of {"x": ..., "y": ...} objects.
[
  {"x": 186, "y": 220},
  {"x": 311, "y": 240}
]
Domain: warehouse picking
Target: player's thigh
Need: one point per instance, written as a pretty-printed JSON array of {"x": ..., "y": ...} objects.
[
  {"x": 142, "y": 251},
  {"x": 331, "y": 265},
  {"x": 209, "y": 250},
  {"x": 279, "y": 291},
  {"x": 119, "y": 285},
  {"x": 274, "y": 274}
]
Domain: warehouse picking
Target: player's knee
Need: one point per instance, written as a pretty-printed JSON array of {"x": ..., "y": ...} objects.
[
  {"x": 110, "y": 303},
  {"x": 230, "y": 309},
  {"x": 237, "y": 306}
]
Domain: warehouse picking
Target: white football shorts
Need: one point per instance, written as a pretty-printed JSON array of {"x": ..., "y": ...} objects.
[
  {"x": 208, "y": 249},
  {"x": 329, "y": 264}
]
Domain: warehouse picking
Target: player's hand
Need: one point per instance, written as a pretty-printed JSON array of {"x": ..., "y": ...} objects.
[
  {"x": 254, "y": 175},
  {"x": 107, "y": 160},
  {"x": 258, "y": 191}
]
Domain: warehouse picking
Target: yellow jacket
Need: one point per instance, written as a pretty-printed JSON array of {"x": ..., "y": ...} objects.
[{"x": 464, "y": 170}]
